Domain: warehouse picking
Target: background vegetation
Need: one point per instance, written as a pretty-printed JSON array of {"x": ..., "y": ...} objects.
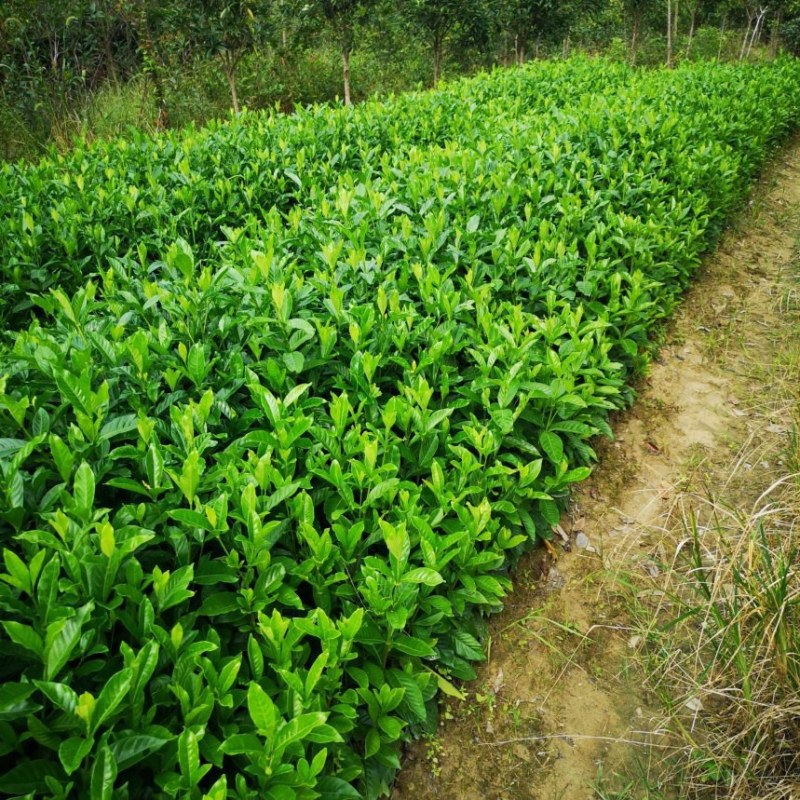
[{"x": 95, "y": 67}]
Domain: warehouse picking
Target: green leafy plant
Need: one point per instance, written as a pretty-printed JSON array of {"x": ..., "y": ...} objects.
[{"x": 284, "y": 400}]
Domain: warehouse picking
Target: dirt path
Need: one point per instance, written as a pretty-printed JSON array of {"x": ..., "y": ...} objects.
[{"x": 557, "y": 700}]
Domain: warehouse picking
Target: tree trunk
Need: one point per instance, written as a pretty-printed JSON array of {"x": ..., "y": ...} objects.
[
  {"x": 722, "y": 27},
  {"x": 519, "y": 50},
  {"x": 762, "y": 25},
  {"x": 775, "y": 34},
  {"x": 346, "y": 74},
  {"x": 635, "y": 25},
  {"x": 565, "y": 48},
  {"x": 746, "y": 36},
  {"x": 229, "y": 67},
  {"x": 437, "y": 59},
  {"x": 669, "y": 34},
  {"x": 692, "y": 24},
  {"x": 759, "y": 26}
]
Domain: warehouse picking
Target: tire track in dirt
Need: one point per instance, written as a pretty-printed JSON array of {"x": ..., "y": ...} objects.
[{"x": 556, "y": 698}]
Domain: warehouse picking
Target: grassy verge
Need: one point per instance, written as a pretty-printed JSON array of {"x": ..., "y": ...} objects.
[{"x": 720, "y": 625}]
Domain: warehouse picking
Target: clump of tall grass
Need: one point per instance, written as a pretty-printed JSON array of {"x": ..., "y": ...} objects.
[{"x": 722, "y": 650}]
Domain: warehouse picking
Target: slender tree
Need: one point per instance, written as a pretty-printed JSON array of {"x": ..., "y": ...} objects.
[
  {"x": 343, "y": 17},
  {"x": 635, "y": 12},
  {"x": 443, "y": 20},
  {"x": 692, "y": 7},
  {"x": 528, "y": 22},
  {"x": 780, "y": 10},
  {"x": 751, "y": 10},
  {"x": 673, "y": 14},
  {"x": 437, "y": 18},
  {"x": 227, "y": 30}
]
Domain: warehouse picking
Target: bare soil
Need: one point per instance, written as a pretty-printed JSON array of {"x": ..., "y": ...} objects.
[{"x": 559, "y": 700}]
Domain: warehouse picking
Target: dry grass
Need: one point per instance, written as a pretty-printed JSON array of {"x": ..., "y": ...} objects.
[
  {"x": 720, "y": 645},
  {"x": 718, "y": 630},
  {"x": 725, "y": 650}
]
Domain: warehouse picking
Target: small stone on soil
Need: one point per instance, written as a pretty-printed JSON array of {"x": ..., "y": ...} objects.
[{"x": 582, "y": 543}]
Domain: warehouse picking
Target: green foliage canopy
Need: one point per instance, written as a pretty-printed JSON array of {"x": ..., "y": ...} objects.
[{"x": 284, "y": 399}]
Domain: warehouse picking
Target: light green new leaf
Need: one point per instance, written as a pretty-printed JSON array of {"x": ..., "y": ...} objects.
[
  {"x": 219, "y": 791},
  {"x": 62, "y": 456},
  {"x": 196, "y": 363},
  {"x": 295, "y": 394},
  {"x": 154, "y": 466},
  {"x": 294, "y": 361},
  {"x": 430, "y": 577},
  {"x": 396, "y": 539},
  {"x": 446, "y": 687}
]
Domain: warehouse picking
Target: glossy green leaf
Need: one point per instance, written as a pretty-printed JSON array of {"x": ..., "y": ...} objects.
[
  {"x": 72, "y": 752},
  {"x": 114, "y": 692},
  {"x": 104, "y": 774},
  {"x": 262, "y": 710}
]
